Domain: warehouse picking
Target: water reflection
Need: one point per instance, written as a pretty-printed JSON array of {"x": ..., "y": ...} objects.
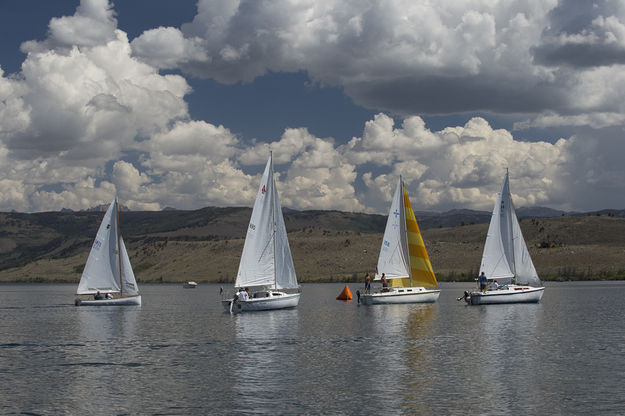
[
  {"x": 105, "y": 366},
  {"x": 181, "y": 354},
  {"x": 266, "y": 360},
  {"x": 103, "y": 323},
  {"x": 504, "y": 364},
  {"x": 402, "y": 355},
  {"x": 419, "y": 354}
]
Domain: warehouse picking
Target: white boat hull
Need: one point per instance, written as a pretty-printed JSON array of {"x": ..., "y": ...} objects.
[
  {"x": 130, "y": 300},
  {"x": 401, "y": 295},
  {"x": 283, "y": 301},
  {"x": 510, "y": 294}
]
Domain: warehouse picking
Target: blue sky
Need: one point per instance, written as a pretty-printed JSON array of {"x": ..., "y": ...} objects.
[{"x": 178, "y": 103}]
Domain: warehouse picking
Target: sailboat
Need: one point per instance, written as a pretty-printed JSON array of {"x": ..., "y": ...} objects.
[
  {"x": 108, "y": 278},
  {"x": 266, "y": 267},
  {"x": 403, "y": 259},
  {"x": 506, "y": 262}
]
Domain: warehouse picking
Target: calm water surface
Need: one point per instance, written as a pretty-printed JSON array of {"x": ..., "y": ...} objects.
[{"x": 181, "y": 354}]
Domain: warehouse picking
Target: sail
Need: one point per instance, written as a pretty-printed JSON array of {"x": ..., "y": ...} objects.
[
  {"x": 101, "y": 272},
  {"x": 523, "y": 265},
  {"x": 505, "y": 253},
  {"x": 129, "y": 283},
  {"x": 394, "y": 258},
  {"x": 420, "y": 266},
  {"x": 495, "y": 262},
  {"x": 285, "y": 270},
  {"x": 403, "y": 257},
  {"x": 266, "y": 259}
]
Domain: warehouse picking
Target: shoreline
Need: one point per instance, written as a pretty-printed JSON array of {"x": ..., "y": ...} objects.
[{"x": 327, "y": 280}]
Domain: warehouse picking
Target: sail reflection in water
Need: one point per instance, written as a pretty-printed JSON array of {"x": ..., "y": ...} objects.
[
  {"x": 400, "y": 362},
  {"x": 105, "y": 366},
  {"x": 323, "y": 357},
  {"x": 419, "y": 354},
  {"x": 264, "y": 366},
  {"x": 507, "y": 346}
]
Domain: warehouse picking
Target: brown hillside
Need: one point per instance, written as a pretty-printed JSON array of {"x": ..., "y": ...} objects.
[{"x": 586, "y": 247}]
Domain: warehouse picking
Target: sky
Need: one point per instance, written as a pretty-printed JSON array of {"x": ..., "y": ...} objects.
[{"x": 178, "y": 104}]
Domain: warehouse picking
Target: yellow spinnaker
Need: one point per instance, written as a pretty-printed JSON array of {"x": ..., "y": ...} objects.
[{"x": 420, "y": 266}]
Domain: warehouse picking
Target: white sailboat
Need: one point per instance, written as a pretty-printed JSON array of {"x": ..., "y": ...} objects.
[
  {"x": 506, "y": 262},
  {"x": 108, "y": 278},
  {"x": 266, "y": 266},
  {"x": 403, "y": 258}
]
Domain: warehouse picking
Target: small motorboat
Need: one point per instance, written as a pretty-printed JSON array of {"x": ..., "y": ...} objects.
[{"x": 190, "y": 285}]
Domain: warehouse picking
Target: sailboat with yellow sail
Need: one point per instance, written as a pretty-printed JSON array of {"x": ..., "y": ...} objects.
[{"x": 403, "y": 259}]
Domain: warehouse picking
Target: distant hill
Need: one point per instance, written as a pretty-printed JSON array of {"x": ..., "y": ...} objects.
[
  {"x": 205, "y": 244},
  {"x": 538, "y": 212},
  {"x": 97, "y": 208}
]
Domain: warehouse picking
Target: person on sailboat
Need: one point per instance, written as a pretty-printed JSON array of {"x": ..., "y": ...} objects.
[
  {"x": 98, "y": 296},
  {"x": 243, "y": 295},
  {"x": 494, "y": 285},
  {"x": 367, "y": 283},
  {"x": 384, "y": 283},
  {"x": 483, "y": 281}
]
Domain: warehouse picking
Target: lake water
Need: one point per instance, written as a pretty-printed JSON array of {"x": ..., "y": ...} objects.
[{"x": 181, "y": 354}]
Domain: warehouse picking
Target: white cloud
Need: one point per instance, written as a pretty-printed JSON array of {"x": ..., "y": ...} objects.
[
  {"x": 80, "y": 101},
  {"x": 88, "y": 118},
  {"x": 93, "y": 23},
  {"x": 412, "y": 57},
  {"x": 166, "y": 47},
  {"x": 317, "y": 176},
  {"x": 457, "y": 166}
]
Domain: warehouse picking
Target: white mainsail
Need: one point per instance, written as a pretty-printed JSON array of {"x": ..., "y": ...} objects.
[
  {"x": 505, "y": 253},
  {"x": 394, "y": 259},
  {"x": 266, "y": 259},
  {"x": 108, "y": 269}
]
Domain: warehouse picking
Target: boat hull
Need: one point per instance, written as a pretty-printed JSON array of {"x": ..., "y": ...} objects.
[
  {"x": 510, "y": 294},
  {"x": 401, "y": 295},
  {"x": 283, "y": 301},
  {"x": 130, "y": 300}
]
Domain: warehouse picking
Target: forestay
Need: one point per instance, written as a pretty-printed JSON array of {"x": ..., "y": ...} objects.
[{"x": 266, "y": 259}]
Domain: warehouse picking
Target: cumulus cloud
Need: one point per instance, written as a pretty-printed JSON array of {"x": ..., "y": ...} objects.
[
  {"x": 316, "y": 176},
  {"x": 457, "y": 166},
  {"x": 90, "y": 115},
  {"x": 409, "y": 57},
  {"x": 93, "y": 23},
  {"x": 80, "y": 101},
  {"x": 583, "y": 34}
]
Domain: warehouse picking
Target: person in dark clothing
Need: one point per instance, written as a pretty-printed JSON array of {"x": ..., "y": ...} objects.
[
  {"x": 483, "y": 281},
  {"x": 384, "y": 283},
  {"x": 367, "y": 283}
]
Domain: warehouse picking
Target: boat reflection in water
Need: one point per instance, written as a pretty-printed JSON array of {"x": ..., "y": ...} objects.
[
  {"x": 105, "y": 365},
  {"x": 266, "y": 360}
]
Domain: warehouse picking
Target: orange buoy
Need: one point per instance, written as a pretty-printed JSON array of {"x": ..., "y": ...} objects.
[{"x": 346, "y": 294}]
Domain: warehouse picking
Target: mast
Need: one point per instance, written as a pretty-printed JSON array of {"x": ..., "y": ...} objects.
[
  {"x": 509, "y": 225},
  {"x": 405, "y": 228},
  {"x": 273, "y": 222},
  {"x": 119, "y": 250}
]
